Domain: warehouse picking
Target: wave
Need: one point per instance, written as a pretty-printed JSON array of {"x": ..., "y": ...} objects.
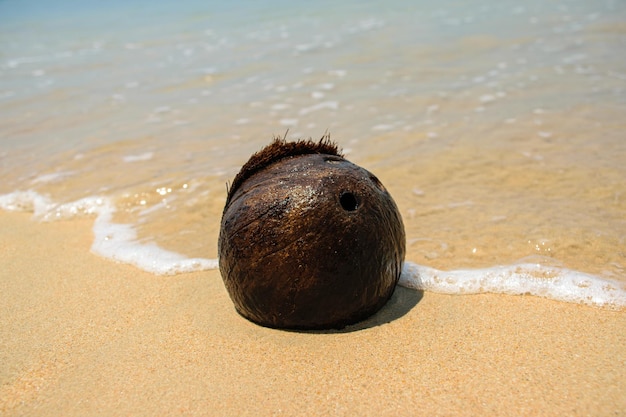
[
  {"x": 115, "y": 241},
  {"x": 118, "y": 242},
  {"x": 518, "y": 279}
]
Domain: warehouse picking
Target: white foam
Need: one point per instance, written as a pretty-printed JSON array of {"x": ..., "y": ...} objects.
[
  {"x": 28, "y": 201},
  {"x": 338, "y": 73},
  {"x": 280, "y": 106},
  {"x": 146, "y": 156},
  {"x": 288, "y": 122},
  {"x": 112, "y": 240},
  {"x": 487, "y": 98},
  {"x": 519, "y": 279},
  {"x": 53, "y": 177},
  {"x": 330, "y": 105},
  {"x": 119, "y": 242}
]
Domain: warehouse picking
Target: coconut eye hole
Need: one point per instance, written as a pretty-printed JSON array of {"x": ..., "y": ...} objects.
[{"x": 348, "y": 201}]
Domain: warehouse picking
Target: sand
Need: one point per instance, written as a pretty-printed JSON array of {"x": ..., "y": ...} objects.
[{"x": 80, "y": 335}]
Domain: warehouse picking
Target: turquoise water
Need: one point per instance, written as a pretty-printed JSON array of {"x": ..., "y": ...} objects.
[{"x": 497, "y": 126}]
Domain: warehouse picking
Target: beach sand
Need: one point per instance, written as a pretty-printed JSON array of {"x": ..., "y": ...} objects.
[{"x": 80, "y": 335}]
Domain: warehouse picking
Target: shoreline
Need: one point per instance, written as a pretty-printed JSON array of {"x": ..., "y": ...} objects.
[{"x": 81, "y": 335}]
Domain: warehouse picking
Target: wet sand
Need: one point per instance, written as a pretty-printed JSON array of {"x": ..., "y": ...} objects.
[{"x": 80, "y": 335}]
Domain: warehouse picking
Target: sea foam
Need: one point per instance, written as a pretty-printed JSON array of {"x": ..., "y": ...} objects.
[
  {"x": 119, "y": 242},
  {"x": 518, "y": 279},
  {"x": 114, "y": 241}
]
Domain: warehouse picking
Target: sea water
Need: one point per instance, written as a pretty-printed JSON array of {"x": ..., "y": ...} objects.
[{"x": 497, "y": 126}]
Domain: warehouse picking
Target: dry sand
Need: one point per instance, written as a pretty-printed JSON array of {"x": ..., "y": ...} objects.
[{"x": 83, "y": 336}]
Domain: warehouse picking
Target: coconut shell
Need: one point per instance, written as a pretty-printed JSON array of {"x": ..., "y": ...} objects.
[{"x": 309, "y": 240}]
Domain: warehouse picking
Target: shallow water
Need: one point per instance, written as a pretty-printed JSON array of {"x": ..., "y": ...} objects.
[{"x": 498, "y": 127}]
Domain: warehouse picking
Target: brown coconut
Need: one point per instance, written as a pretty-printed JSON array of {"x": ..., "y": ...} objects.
[{"x": 309, "y": 240}]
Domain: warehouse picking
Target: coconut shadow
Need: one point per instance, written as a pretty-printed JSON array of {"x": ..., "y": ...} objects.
[{"x": 400, "y": 303}]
